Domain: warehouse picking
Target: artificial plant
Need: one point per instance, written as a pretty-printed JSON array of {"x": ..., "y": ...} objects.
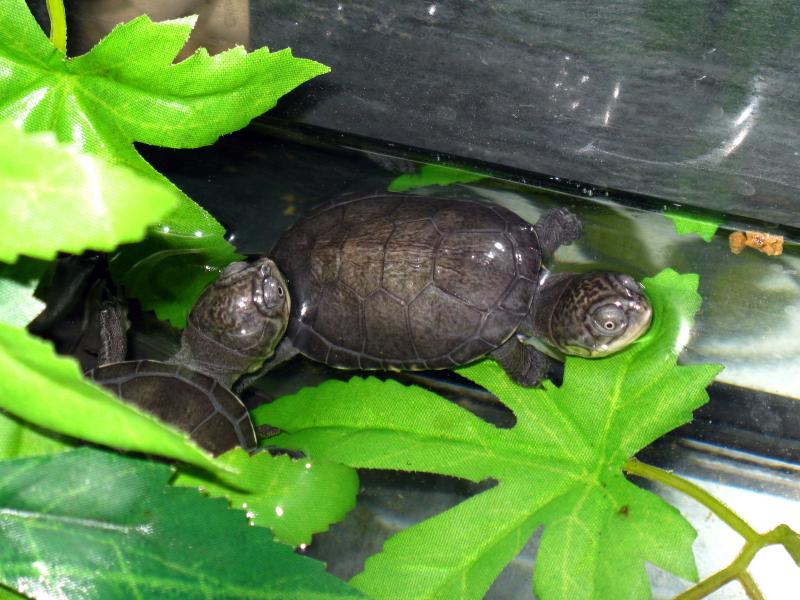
[
  {"x": 104, "y": 524},
  {"x": 94, "y": 520},
  {"x": 561, "y": 468},
  {"x": 128, "y": 89}
]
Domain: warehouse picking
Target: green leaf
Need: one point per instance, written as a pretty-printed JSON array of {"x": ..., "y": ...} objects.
[
  {"x": 687, "y": 224},
  {"x": 19, "y": 439},
  {"x": 7, "y": 594},
  {"x": 433, "y": 175},
  {"x": 49, "y": 391},
  {"x": 559, "y": 467},
  {"x": 93, "y": 524},
  {"x": 127, "y": 89},
  {"x": 54, "y": 198},
  {"x": 168, "y": 272},
  {"x": 294, "y": 498},
  {"x": 18, "y": 282}
]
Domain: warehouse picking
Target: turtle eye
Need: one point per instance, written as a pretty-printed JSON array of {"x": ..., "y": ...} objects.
[
  {"x": 272, "y": 293},
  {"x": 609, "y": 320}
]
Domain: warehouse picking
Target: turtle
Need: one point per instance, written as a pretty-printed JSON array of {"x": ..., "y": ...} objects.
[
  {"x": 408, "y": 282},
  {"x": 232, "y": 328}
]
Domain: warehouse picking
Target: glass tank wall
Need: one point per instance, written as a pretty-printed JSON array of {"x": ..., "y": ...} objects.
[{"x": 622, "y": 111}]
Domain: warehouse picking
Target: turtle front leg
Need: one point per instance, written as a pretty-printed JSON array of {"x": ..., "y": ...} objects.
[
  {"x": 113, "y": 319},
  {"x": 522, "y": 362},
  {"x": 557, "y": 227}
]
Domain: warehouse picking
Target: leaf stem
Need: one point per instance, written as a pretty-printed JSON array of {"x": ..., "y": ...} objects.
[
  {"x": 737, "y": 569},
  {"x": 754, "y": 541},
  {"x": 730, "y": 518},
  {"x": 750, "y": 586},
  {"x": 58, "y": 24}
]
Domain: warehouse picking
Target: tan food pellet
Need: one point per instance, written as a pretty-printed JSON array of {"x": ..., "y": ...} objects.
[
  {"x": 737, "y": 240},
  {"x": 771, "y": 245}
]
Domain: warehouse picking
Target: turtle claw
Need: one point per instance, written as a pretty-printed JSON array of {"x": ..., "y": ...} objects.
[
  {"x": 522, "y": 363},
  {"x": 557, "y": 227},
  {"x": 570, "y": 226}
]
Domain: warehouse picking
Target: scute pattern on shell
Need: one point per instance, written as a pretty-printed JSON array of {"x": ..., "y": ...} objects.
[
  {"x": 407, "y": 282},
  {"x": 214, "y": 417}
]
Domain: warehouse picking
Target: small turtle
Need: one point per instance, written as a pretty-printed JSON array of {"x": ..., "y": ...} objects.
[
  {"x": 233, "y": 327},
  {"x": 403, "y": 282}
]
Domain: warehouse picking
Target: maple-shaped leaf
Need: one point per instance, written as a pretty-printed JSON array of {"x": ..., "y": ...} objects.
[
  {"x": 294, "y": 497},
  {"x": 94, "y": 524},
  {"x": 127, "y": 89},
  {"x": 559, "y": 467}
]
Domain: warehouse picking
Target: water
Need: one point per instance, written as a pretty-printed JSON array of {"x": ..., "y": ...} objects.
[
  {"x": 744, "y": 445},
  {"x": 258, "y": 184},
  {"x": 690, "y": 101}
]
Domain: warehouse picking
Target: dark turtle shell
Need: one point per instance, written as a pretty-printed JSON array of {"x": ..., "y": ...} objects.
[
  {"x": 210, "y": 413},
  {"x": 407, "y": 282}
]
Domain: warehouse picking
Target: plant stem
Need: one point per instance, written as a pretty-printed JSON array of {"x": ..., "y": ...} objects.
[
  {"x": 750, "y": 587},
  {"x": 58, "y": 24},
  {"x": 734, "y": 521},
  {"x": 737, "y": 569},
  {"x": 754, "y": 541}
]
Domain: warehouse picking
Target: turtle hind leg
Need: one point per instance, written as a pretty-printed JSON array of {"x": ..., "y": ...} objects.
[
  {"x": 522, "y": 362},
  {"x": 557, "y": 227}
]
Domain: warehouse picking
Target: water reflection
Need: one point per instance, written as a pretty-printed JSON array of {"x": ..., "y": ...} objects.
[
  {"x": 740, "y": 128},
  {"x": 737, "y": 131},
  {"x": 612, "y": 103}
]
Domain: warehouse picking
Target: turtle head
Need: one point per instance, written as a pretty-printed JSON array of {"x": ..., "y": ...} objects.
[
  {"x": 597, "y": 314},
  {"x": 237, "y": 322}
]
